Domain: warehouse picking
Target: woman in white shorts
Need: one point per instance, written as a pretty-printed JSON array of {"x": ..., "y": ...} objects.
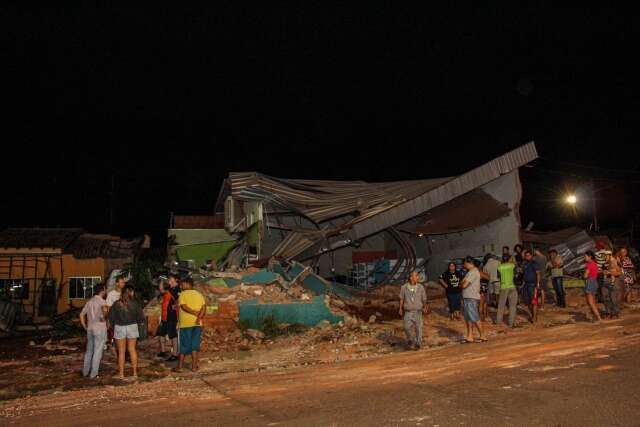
[{"x": 125, "y": 315}]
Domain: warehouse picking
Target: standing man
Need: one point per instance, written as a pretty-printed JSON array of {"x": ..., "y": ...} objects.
[
  {"x": 92, "y": 319},
  {"x": 471, "y": 297},
  {"x": 508, "y": 292},
  {"x": 531, "y": 287},
  {"x": 413, "y": 300},
  {"x": 161, "y": 332},
  {"x": 557, "y": 274},
  {"x": 113, "y": 296},
  {"x": 541, "y": 265},
  {"x": 601, "y": 256},
  {"x": 172, "y": 316},
  {"x": 611, "y": 286},
  {"x": 192, "y": 307},
  {"x": 491, "y": 268}
]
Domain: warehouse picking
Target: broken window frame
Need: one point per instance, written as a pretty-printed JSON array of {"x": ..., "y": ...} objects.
[{"x": 73, "y": 284}]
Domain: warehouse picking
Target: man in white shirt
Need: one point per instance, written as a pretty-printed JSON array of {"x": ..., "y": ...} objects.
[
  {"x": 114, "y": 294},
  {"x": 491, "y": 268},
  {"x": 471, "y": 297}
]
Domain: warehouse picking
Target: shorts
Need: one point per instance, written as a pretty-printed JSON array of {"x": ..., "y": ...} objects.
[
  {"x": 591, "y": 286},
  {"x": 190, "y": 339},
  {"x": 528, "y": 292},
  {"x": 471, "y": 311},
  {"x": 162, "y": 329},
  {"x": 172, "y": 329},
  {"x": 121, "y": 332}
]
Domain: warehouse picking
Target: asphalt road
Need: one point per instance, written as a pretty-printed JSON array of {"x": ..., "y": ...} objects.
[{"x": 572, "y": 375}]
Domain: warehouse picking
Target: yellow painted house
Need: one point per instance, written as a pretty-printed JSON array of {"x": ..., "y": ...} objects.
[{"x": 48, "y": 271}]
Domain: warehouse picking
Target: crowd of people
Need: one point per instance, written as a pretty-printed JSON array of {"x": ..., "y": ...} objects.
[
  {"x": 522, "y": 277},
  {"x": 114, "y": 320}
]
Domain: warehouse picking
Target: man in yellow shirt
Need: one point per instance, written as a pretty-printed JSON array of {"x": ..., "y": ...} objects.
[{"x": 192, "y": 308}]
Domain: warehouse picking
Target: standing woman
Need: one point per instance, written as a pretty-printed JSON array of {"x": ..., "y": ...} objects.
[
  {"x": 591, "y": 283},
  {"x": 628, "y": 273},
  {"x": 125, "y": 315},
  {"x": 450, "y": 281}
]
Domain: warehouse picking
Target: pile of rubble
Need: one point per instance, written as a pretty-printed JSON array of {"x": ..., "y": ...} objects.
[{"x": 245, "y": 307}]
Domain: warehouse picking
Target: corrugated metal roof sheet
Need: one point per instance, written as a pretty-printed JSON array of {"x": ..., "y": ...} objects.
[
  {"x": 368, "y": 207},
  {"x": 455, "y": 215}
]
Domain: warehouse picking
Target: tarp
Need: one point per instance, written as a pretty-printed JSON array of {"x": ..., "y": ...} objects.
[{"x": 303, "y": 313}]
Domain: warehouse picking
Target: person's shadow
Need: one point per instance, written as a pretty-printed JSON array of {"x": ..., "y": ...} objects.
[
  {"x": 447, "y": 332},
  {"x": 579, "y": 316}
]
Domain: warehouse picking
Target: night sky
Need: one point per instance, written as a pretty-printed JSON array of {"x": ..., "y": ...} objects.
[{"x": 165, "y": 102}]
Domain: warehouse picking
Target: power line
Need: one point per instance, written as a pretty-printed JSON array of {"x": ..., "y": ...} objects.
[
  {"x": 586, "y": 177},
  {"x": 579, "y": 165}
]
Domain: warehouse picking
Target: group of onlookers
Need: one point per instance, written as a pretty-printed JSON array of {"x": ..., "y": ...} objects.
[
  {"x": 524, "y": 277},
  {"x": 611, "y": 276},
  {"x": 114, "y": 320}
]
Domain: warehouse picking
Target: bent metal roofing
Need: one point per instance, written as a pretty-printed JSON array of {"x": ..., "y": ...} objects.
[{"x": 358, "y": 209}]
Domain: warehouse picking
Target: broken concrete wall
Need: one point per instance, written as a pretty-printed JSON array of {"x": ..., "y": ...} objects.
[{"x": 486, "y": 238}]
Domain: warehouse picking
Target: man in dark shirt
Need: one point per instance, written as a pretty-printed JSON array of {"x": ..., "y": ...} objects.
[
  {"x": 531, "y": 278},
  {"x": 542, "y": 266},
  {"x": 172, "y": 316}
]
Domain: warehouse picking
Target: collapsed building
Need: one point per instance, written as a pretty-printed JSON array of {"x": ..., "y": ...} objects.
[{"x": 362, "y": 233}]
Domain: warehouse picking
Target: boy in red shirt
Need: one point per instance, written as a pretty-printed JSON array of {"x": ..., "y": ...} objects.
[{"x": 162, "y": 330}]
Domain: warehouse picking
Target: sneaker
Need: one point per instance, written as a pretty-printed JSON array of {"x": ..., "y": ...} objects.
[
  {"x": 162, "y": 354},
  {"x": 173, "y": 359}
]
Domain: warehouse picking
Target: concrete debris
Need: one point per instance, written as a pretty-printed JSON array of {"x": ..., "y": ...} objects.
[{"x": 254, "y": 334}]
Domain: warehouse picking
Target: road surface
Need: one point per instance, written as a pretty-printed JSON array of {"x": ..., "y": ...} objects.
[{"x": 572, "y": 375}]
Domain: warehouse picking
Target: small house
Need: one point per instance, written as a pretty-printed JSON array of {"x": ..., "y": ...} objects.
[{"x": 48, "y": 271}]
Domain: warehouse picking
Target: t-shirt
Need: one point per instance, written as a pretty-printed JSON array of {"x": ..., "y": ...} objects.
[
  {"x": 506, "y": 271},
  {"x": 472, "y": 291},
  {"x": 541, "y": 265},
  {"x": 601, "y": 258},
  {"x": 172, "y": 309},
  {"x": 557, "y": 271},
  {"x": 529, "y": 272},
  {"x": 592, "y": 268},
  {"x": 166, "y": 302},
  {"x": 453, "y": 281},
  {"x": 112, "y": 297},
  {"x": 122, "y": 314},
  {"x": 491, "y": 268},
  {"x": 414, "y": 296},
  {"x": 194, "y": 300},
  {"x": 95, "y": 315}
]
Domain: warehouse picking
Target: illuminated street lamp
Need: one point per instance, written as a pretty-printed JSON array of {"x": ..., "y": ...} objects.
[{"x": 571, "y": 199}]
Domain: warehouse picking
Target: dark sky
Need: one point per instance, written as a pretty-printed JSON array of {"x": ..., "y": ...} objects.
[{"x": 168, "y": 100}]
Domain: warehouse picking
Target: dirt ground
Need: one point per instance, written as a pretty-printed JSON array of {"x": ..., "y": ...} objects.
[{"x": 565, "y": 371}]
